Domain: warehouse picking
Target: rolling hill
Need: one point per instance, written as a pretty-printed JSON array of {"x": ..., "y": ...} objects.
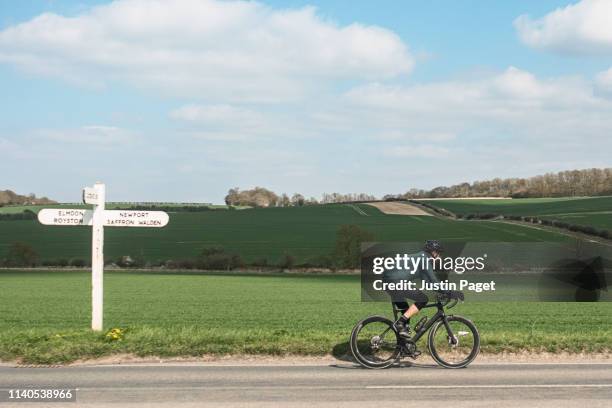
[
  {"x": 267, "y": 233},
  {"x": 591, "y": 211}
]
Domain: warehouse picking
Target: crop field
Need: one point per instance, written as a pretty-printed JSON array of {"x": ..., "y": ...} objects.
[
  {"x": 45, "y": 315},
  {"x": 593, "y": 211},
  {"x": 527, "y": 206},
  {"x": 596, "y": 219},
  {"x": 303, "y": 232}
]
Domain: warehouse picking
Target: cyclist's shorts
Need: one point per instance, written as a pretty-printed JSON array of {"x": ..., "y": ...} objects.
[{"x": 419, "y": 298}]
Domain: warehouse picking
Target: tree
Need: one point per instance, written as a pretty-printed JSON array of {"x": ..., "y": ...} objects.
[
  {"x": 256, "y": 197},
  {"x": 311, "y": 201},
  {"x": 287, "y": 261},
  {"x": 284, "y": 200},
  {"x": 78, "y": 263},
  {"x": 232, "y": 196},
  {"x": 21, "y": 254},
  {"x": 347, "y": 251},
  {"x": 217, "y": 258},
  {"x": 297, "y": 200}
]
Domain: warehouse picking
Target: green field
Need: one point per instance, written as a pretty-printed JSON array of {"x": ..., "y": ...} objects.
[
  {"x": 303, "y": 232},
  {"x": 593, "y": 211},
  {"x": 599, "y": 220},
  {"x": 44, "y": 316}
]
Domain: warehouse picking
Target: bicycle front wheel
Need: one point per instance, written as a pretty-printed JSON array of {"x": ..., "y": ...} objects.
[
  {"x": 374, "y": 343},
  {"x": 455, "y": 346}
]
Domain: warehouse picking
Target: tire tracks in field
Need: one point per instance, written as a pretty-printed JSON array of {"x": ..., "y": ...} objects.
[
  {"x": 518, "y": 234},
  {"x": 570, "y": 234},
  {"x": 358, "y": 210}
]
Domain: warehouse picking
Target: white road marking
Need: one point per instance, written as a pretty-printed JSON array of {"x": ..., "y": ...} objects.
[{"x": 379, "y": 387}]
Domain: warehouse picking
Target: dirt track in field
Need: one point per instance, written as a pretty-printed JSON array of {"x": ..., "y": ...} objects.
[{"x": 399, "y": 208}]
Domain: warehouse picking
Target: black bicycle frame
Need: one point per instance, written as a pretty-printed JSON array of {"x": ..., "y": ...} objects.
[{"x": 437, "y": 316}]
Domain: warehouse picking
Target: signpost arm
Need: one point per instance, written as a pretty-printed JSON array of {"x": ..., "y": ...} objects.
[{"x": 97, "y": 259}]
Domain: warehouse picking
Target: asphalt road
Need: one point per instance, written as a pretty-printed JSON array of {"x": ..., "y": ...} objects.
[{"x": 334, "y": 385}]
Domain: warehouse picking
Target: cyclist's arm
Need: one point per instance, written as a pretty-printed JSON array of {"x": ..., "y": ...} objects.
[{"x": 428, "y": 274}]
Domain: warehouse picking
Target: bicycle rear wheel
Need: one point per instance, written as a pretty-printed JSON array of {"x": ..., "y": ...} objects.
[
  {"x": 374, "y": 343},
  {"x": 457, "y": 348}
]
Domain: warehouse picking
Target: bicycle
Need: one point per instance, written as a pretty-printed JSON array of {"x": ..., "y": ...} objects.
[{"x": 453, "y": 341}]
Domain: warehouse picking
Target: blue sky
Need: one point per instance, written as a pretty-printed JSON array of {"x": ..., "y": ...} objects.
[{"x": 181, "y": 101}]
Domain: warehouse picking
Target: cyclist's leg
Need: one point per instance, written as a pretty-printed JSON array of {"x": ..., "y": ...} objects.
[
  {"x": 420, "y": 299},
  {"x": 399, "y": 301},
  {"x": 402, "y": 306}
]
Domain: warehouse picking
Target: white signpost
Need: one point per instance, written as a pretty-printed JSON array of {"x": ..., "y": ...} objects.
[{"x": 98, "y": 218}]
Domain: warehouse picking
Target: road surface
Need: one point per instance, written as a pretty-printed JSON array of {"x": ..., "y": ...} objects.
[{"x": 330, "y": 385}]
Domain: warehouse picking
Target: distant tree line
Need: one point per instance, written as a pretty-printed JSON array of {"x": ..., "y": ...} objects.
[
  {"x": 24, "y": 215},
  {"x": 588, "y": 182},
  {"x": 262, "y": 197},
  {"x": 330, "y": 198},
  {"x": 571, "y": 183},
  {"x": 8, "y": 197}
]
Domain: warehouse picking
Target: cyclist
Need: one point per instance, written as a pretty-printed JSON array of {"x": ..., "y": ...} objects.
[{"x": 431, "y": 249}]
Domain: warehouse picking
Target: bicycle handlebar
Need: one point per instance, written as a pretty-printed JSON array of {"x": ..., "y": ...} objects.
[{"x": 446, "y": 300}]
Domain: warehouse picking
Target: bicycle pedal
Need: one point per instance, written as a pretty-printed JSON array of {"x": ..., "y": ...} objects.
[{"x": 414, "y": 355}]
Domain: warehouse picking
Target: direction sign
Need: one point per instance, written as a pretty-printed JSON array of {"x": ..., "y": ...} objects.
[
  {"x": 130, "y": 218},
  {"x": 110, "y": 218},
  {"x": 90, "y": 196},
  {"x": 54, "y": 216},
  {"x": 98, "y": 218}
]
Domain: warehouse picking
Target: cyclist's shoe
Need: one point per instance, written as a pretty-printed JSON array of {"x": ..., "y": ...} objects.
[{"x": 402, "y": 328}]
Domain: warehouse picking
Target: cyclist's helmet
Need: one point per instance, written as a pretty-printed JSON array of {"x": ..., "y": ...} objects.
[{"x": 433, "y": 245}]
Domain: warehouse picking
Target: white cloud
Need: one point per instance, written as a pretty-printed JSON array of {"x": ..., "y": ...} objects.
[
  {"x": 226, "y": 122},
  {"x": 419, "y": 151},
  {"x": 216, "y": 115},
  {"x": 511, "y": 94},
  {"x": 604, "y": 81},
  {"x": 94, "y": 135},
  {"x": 12, "y": 149},
  {"x": 399, "y": 135},
  {"x": 505, "y": 124},
  {"x": 208, "y": 49},
  {"x": 581, "y": 28}
]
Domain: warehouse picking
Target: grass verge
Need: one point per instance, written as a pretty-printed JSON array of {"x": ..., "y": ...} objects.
[{"x": 44, "y": 317}]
